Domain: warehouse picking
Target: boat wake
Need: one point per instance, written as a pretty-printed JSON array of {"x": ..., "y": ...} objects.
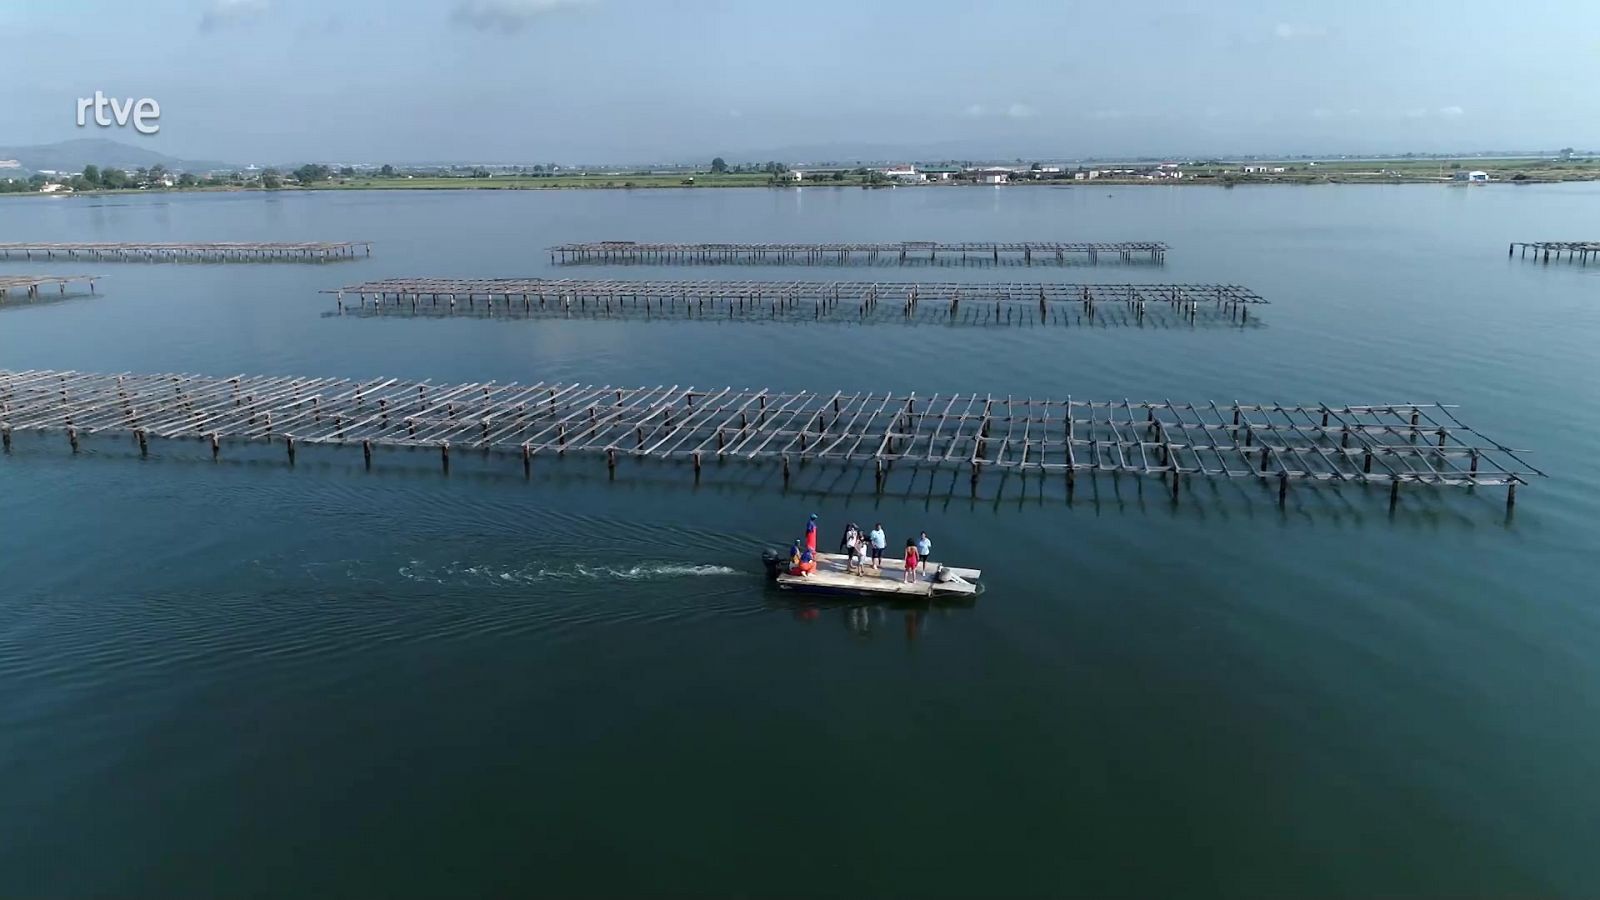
[{"x": 459, "y": 573}]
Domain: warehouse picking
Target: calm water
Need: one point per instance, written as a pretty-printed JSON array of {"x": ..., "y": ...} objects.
[{"x": 240, "y": 679}]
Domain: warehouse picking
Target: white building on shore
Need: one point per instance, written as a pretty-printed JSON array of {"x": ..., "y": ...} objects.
[{"x": 903, "y": 173}]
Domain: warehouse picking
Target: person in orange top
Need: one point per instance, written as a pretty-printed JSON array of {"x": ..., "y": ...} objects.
[
  {"x": 801, "y": 562},
  {"x": 911, "y": 561}
]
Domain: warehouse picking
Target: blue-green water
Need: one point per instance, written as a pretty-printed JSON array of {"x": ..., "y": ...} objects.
[{"x": 239, "y": 678}]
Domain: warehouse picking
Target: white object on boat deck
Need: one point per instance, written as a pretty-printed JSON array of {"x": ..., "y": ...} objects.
[{"x": 832, "y": 576}]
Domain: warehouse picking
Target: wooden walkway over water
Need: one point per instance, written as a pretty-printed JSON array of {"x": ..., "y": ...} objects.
[
  {"x": 31, "y": 285},
  {"x": 1574, "y": 250},
  {"x": 212, "y": 251},
  {"x": 798, "y": 299},
  {"x": 1029, "y": 252},
  {"x": 1385, "y": 444}
]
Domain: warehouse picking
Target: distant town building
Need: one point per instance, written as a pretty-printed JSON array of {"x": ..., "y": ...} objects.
[
  {"x": 990, "y": 176},
  {"x": 940, "y": 173},
  {"x": 903, "y": 173}
]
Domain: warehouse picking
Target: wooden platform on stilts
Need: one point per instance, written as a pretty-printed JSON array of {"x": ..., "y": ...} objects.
[
  {"x": 803, "y": 299},
  {"x": 1575, "y": 251},
  {"x": 1387, "y": 444},
  {"x": 870, "y": 252},
  {"x": 204, "y": 251},
  {"x": 33, "y": 285}
]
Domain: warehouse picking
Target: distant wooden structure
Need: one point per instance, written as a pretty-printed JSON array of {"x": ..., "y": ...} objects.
[
  {"x": 31, "y": 285},
  {"x": 817, "y": 299},
  {"x": 1153, "y": 315},
  {"x": 1574, "y": 250},
  {"x": 1385, "y": 444},
  {"x": 1028, "y": 252},
  {"x": 212, "y": 251}
]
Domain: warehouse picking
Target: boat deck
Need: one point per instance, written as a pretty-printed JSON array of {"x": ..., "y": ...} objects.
[{"x": 831, "y": 577}]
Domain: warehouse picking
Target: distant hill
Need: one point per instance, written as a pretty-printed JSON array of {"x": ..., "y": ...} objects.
[{"x": 72, "y": 156}]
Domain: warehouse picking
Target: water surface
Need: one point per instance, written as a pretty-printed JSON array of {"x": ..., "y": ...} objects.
[{"x": 240, "y": 678}]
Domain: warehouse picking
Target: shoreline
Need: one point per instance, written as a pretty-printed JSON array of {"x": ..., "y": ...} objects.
[{"x": 1024, "y": 185}]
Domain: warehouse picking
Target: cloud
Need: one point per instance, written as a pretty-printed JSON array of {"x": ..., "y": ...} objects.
[
  {"x": 508, "y": 16},
  {"x": 1292, "y": 31},
  {"x": 1011, "y": 110},
  {"x": 224, "y": 13},
  {"x": 1443, "y": 112}
]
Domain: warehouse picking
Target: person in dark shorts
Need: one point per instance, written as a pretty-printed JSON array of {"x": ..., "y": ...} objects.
[{"x": 879, "y": 541}]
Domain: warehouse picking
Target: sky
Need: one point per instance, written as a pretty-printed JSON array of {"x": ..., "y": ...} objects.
[{"x": 270, "y": 81}]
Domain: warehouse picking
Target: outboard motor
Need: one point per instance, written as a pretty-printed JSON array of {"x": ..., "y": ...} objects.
[{"x": 775, "y": 562}]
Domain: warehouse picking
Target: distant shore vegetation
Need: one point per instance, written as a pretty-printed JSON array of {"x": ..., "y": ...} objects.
[{"x": 1565, "y": 165}]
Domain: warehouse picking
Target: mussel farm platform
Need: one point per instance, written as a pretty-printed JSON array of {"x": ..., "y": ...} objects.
[
  {"x": 814, "y": 300},
  {"x": 901, "y": 252},
  {"x": 1387, "y": 444},
  {"x": 1574, "y": 250},
  {"x": 213, "y": 251},
  {"x": 32, "y": 285}
]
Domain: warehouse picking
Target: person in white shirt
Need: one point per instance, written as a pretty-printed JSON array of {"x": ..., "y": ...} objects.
[{"x": 880, "y": 541}]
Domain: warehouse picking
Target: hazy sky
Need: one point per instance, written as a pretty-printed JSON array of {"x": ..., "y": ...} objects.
[{"x": 643, "y": 80}]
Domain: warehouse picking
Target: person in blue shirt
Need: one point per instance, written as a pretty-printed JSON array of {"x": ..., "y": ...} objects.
[
  {"x": 811, "y": 533},
  {"x": 924, "y": 547},
  {"x": 879, "y": 542},
  {"x": 801, "y": 561}
]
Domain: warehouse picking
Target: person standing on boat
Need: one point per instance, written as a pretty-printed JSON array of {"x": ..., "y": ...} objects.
[
  {"x": 856, "y": 563},
  {"x": 811, "y": 534},
  {"x": 880, "y": 542},
  {"x": 924, "y": 547},
  {"x": 851, "y": 532},
  {"x": 911, "y": 561}
]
